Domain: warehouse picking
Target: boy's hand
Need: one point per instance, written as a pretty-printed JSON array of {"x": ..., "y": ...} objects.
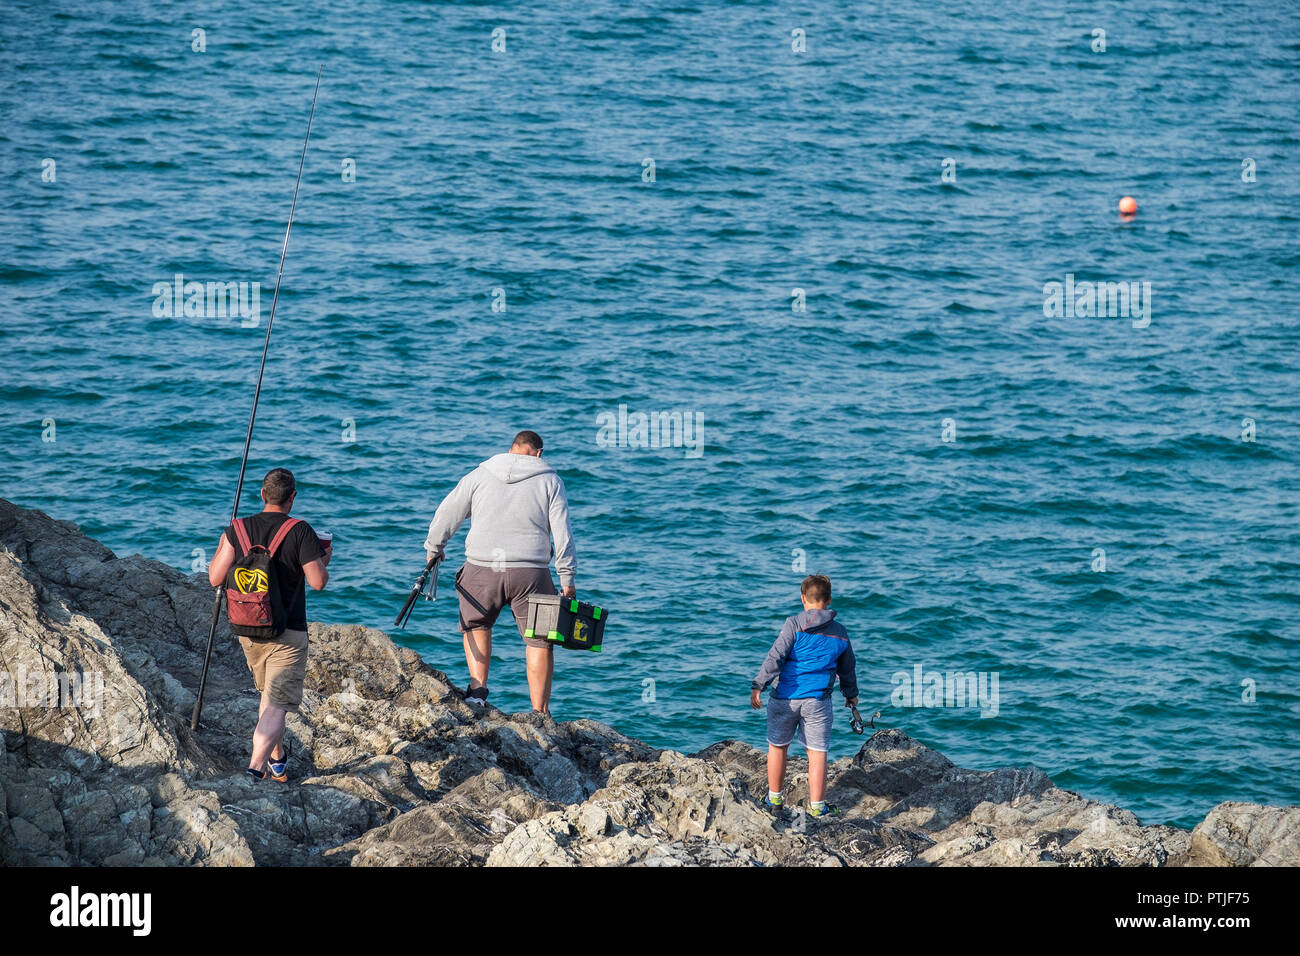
[{"x": 756, "y": 699}]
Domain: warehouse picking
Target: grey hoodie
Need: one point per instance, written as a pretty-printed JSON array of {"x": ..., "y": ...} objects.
[{"x": 518, "y": 503}]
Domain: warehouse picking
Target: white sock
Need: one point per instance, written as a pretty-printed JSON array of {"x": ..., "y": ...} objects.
[{"x": 818, "y": 805}]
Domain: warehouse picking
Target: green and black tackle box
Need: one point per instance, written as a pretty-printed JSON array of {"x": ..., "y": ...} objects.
[{"x": 566, "y": 622}]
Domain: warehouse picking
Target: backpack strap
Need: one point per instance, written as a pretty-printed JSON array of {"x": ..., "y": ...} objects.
[
  {"x": 282, "y": 534},
  {"x": 241, "y": 533}
]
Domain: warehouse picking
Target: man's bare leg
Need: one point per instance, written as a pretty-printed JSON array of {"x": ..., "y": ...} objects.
[
  {"x": 541, "y": 668},
  {"x": 261, "y": 709},
  {"x": 478, "y": 655},
  {"x": 267, "y": 736}
]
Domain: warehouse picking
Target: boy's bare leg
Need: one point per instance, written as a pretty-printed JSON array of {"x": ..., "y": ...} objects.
[
  {"x": 816, "y": 775},
  {"x": 776, "y": 768},
  {"x": 540, "y": 663},
  {"x": 478, "y": 655}
]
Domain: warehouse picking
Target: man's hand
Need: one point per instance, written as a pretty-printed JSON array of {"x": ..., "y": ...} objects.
[
  {"x": 430, "y": 555},
  {"x": 756, "y": 699},
  {"x": 851, "y": 702},
  {"x": 569, "y": 591}
]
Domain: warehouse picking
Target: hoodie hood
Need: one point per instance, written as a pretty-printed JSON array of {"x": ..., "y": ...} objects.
[
  {"x": 813, "y": 618},
  {"x": 509, "y": 467}
]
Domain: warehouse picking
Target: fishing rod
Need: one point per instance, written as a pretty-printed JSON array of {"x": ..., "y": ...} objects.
[
  {"x": 416, "y": 588},
  {"x": 252, "y": 415}
]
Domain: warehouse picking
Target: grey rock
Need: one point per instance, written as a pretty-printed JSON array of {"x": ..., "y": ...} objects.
[
  {"x": 1247, "y": 834},
  {"x": 462, "y": 827},
  {"x": 391, "y": 768}
]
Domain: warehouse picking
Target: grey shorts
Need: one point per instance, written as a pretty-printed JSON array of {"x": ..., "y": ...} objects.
[
  {"x": 811, "y": 717},
  {"x": 485, "y": 593}
]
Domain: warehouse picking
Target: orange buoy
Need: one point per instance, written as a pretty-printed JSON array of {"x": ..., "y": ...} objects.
[{"x": 1128, "y": 206}]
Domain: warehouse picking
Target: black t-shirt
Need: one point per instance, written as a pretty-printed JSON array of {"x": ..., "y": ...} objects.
[{"x": 300, "y": 547}]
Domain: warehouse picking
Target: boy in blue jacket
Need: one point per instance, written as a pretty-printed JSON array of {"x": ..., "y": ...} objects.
[{"x": 810, "y": 652}]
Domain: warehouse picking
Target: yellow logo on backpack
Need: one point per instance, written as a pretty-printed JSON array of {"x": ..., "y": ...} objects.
[
  {"x": 251, "y": 581},
  {"x": 580, "y": 631}
]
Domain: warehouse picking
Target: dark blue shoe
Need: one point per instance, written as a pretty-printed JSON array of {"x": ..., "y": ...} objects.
[{"x": 280, "y": 768}]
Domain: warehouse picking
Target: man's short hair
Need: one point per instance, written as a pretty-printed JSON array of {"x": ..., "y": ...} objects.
[
  {"x": 816, "y": 588},
  {"x": 531, "y": 439},
  {"x": 278, "y": 486}
]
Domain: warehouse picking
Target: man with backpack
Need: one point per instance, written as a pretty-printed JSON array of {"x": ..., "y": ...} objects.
[{"x": 264, "y": 562}]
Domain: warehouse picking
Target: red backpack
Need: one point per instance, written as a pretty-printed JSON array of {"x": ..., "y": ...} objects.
[{"x": 253, "y": 599}]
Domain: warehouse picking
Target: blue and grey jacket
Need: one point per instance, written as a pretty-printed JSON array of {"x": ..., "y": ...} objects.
[{"x": 810, "y": 651}]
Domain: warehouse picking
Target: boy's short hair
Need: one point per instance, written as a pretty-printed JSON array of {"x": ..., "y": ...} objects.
[{"x": 816, "y": 588}]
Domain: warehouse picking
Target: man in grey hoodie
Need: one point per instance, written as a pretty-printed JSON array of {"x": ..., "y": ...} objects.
[{"x": 517, "y": 505}]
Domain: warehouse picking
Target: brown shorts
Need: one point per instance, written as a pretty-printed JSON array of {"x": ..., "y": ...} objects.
[
  {"x": 484, "y": 593},
  {"x": 278, "y": 667}
]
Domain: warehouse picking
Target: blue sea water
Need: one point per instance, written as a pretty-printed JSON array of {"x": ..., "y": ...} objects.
[{"x": 525, "y": 171}]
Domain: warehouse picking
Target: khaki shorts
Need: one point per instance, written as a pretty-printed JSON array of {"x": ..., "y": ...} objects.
[
  {"x": 485, "y": 593},
  {"x": 278, "y": 667}
]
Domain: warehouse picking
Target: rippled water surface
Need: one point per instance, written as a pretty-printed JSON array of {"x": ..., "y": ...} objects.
[{"x": 525, "y": 171}]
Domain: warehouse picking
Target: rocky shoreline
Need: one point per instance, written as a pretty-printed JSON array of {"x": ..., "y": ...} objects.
[{"x": 393, "y": 769}]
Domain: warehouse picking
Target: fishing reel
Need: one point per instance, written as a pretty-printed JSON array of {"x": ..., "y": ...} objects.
[
  {"x": 855, "y": 720},
  {"x": 430, "y": 593}
]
